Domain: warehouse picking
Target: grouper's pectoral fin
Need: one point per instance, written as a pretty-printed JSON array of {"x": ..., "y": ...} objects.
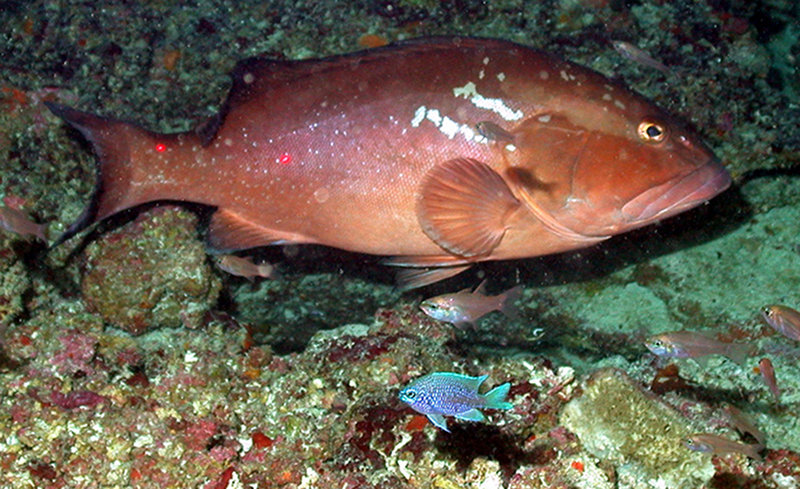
[
  {"x": 229, "y": 231},
  {"x": 464, "y": 206}
]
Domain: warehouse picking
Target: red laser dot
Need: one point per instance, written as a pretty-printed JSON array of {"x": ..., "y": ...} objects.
[
  {"x": 161, "y": 147},
  {"x": 285, "y": 159}
]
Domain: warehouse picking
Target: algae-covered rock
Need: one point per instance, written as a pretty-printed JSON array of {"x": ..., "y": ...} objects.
[
  {"x": 618, "y": 422},
  {"x": 14, "y": 281},
  {"x": 151, "y": 272},
  {"x": 301, "y": 305}
]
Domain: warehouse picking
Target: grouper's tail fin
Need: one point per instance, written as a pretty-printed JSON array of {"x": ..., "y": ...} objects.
[{"x": 132, "y": 164}]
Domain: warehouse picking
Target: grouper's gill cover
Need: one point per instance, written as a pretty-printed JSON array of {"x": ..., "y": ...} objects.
[{"x": 437, "y": 152}]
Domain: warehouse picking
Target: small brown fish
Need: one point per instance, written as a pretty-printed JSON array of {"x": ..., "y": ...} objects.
[
  {"x": 466, "y": 307},
  {"x": 708, "y": 443},
  {"x": 17, "y": 222},
  {"x": 743, "y": 423},
  {"x": 242, "y": 267},
  {"x": 493, "y": 132},
  {"x": 631, "y": 52},
  {"x": 690, "y": 344},
  {"x": 782, "y": 319},
  {"x": 768, "y": 374}
]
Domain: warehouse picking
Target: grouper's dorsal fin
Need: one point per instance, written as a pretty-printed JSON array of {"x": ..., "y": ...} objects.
[{"x": 253, "y": 77}]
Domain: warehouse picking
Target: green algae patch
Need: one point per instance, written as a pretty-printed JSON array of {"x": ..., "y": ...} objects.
[
  {"x": 617, "y": 421},
  {"x": 151, "y": 272}
]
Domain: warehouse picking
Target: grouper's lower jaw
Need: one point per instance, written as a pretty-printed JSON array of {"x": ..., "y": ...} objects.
[{"x": 677, "y": 195}]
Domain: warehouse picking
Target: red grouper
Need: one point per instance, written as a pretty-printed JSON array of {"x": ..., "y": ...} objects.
[{"x": 437, "y": 152}]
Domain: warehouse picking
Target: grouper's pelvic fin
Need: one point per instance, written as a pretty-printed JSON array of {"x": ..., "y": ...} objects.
[{"x": 134, "y": 165}]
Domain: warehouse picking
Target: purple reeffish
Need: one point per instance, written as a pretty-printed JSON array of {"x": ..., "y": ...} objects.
[{"x": 441, "y": 394}]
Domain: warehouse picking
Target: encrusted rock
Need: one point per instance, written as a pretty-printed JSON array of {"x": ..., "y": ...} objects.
[
  {"x": 616, "y": 421},
  {"x": 151, "y": 272}
]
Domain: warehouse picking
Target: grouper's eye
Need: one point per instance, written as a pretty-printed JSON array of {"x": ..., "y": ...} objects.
[{"x": 651, "y": 132}]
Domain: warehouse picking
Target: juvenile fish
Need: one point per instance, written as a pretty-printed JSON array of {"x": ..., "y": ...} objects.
[
  {"x": 466, "y": 307},
  {"x": 631, "y": 52},
  {"x": 443, "y": 394},
  {"x": 708, "y": 443},
  {"x": 690, "y": 344},
  {"x": 768, "y": 374},
  {"x": 17, "y": 222},
  {"x": 242, "y": 267},
  {"x": 782, "y": 319},
  {"x": 743, "y": 423},
  {"x": 493, "y": 132}
]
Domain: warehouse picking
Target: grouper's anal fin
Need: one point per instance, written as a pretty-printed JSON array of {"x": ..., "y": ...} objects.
[{"x": 230, "y": 231}]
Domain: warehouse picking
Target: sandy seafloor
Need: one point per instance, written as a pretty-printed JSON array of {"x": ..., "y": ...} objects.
[{"x": 130, "y": 360}]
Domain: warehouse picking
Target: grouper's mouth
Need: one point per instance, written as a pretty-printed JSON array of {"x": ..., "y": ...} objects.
[{"x": 676, "y": 195}]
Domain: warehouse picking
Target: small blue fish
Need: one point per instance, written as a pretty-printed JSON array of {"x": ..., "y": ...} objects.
[{"x": 443, "y": 394}]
